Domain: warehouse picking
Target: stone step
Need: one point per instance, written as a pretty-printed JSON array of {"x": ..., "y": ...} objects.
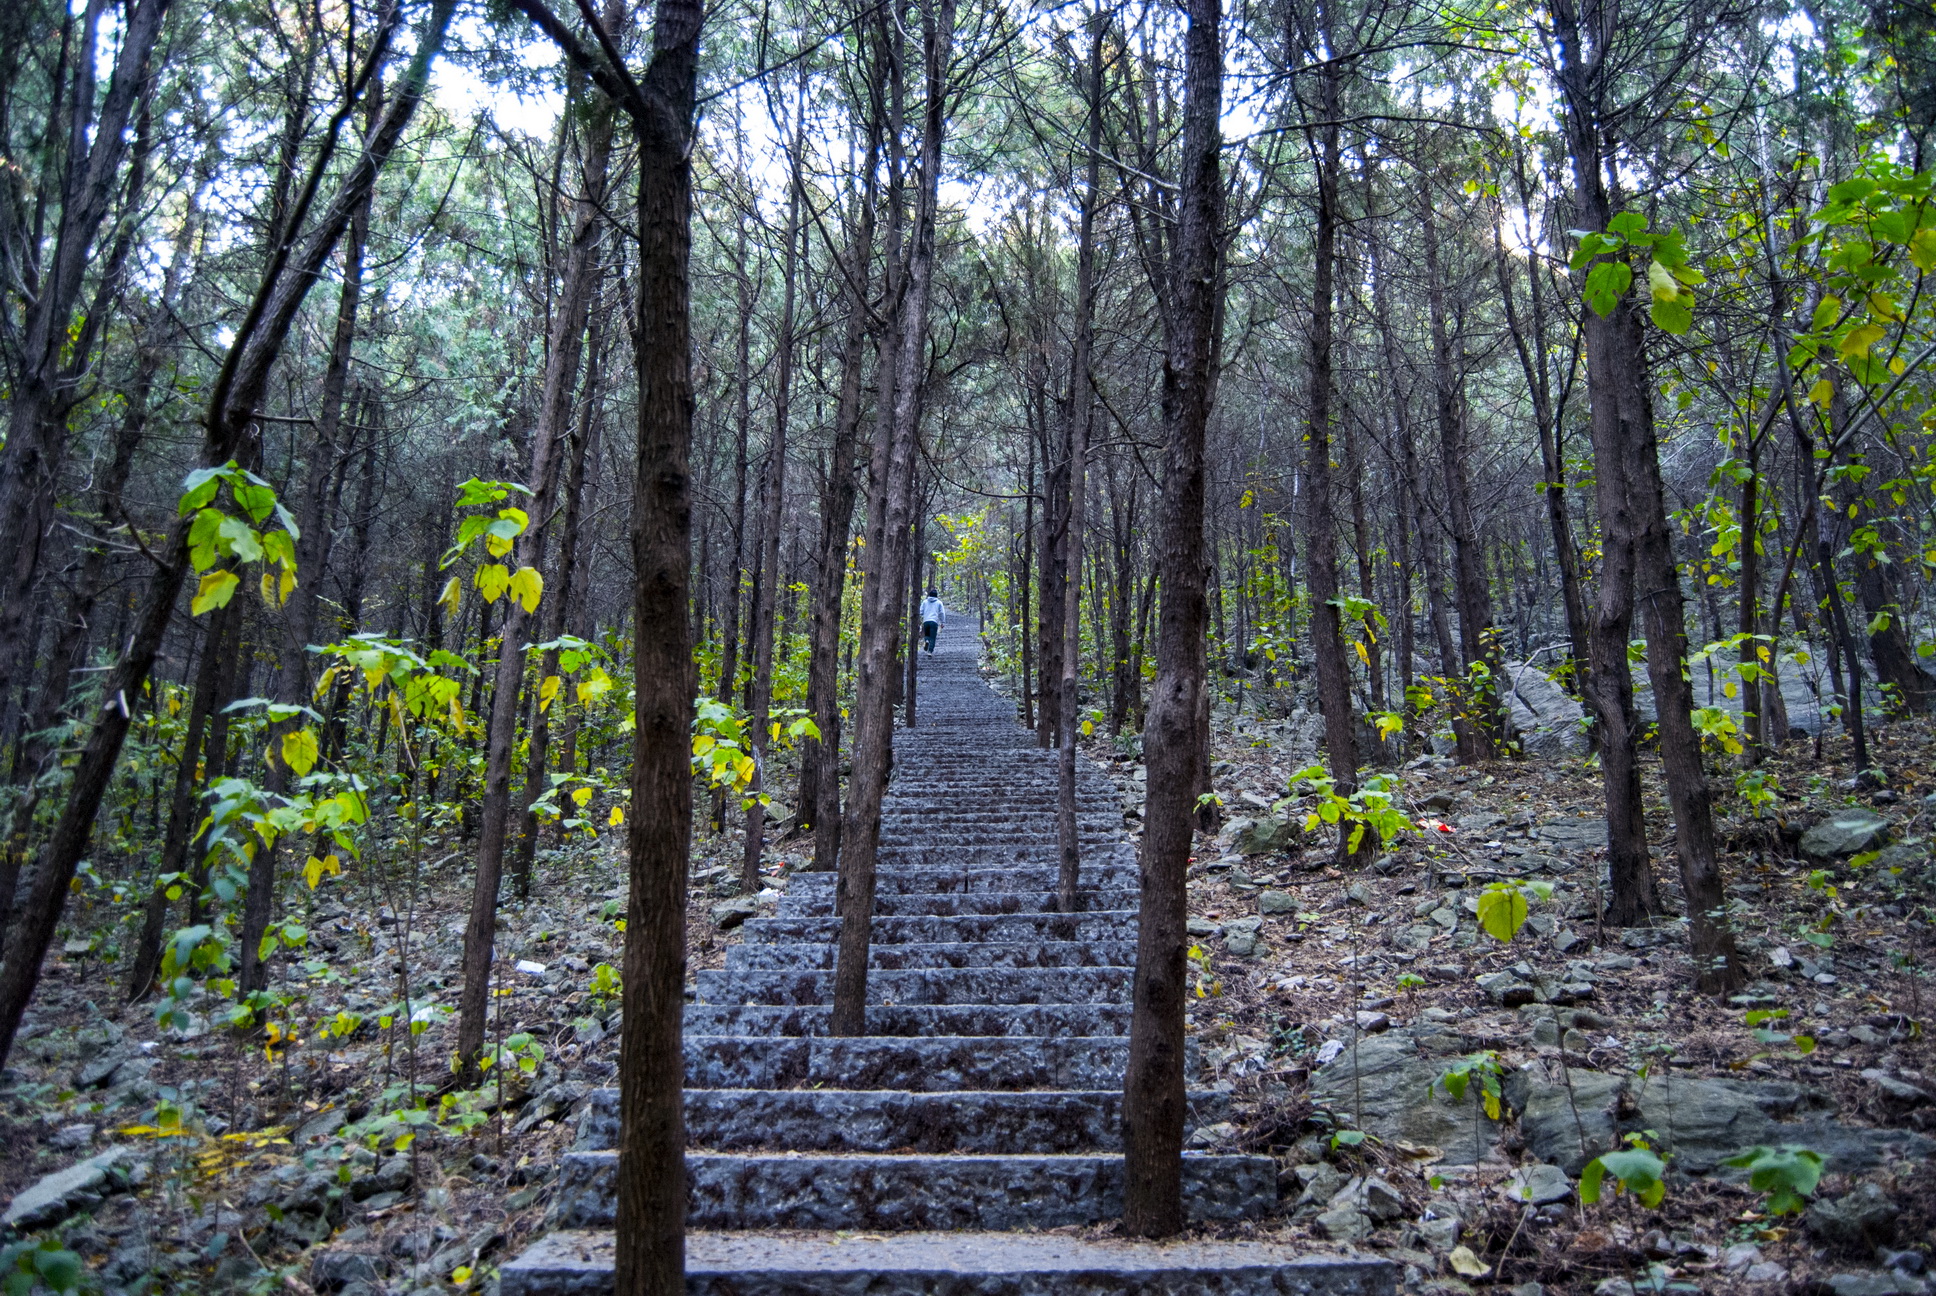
[
  {"x": 1119, "y": 924},
  {"x": 949, "y": 954},
  {"x": 753, "y": 1190},
  {"x": 580, "y": 1263},
  {"x": 930, "y": 1063},
  {"x": 958, "y": 855},
  {"x": 1108, "y": 874},
  {"x": 882, "y": 1120},
  {"x": 972, "y": 902},
  {"x": 997, "y": 1020},
  {"x": 925, "y": 986}
]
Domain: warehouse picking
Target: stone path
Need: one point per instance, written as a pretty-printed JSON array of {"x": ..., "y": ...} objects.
[{"x": 986, "y": 1105}]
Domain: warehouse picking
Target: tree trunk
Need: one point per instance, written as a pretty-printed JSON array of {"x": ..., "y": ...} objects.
[
  {"x": 1081, "y": 412},
  {"x": 564, "y": 348},
  {"x": 767, "y": 580},
  {"x": 1153, "y": 1095},
  {"x": 880, "y": 629}
]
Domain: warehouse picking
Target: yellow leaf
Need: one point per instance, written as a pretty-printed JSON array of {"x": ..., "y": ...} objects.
[
  {"x": 452, "y": 596},
  {"x": 547, "y": 691},
  {"x": 215, "y": 591},
  {"x": 616, "y": 818},
  {"x": 461, "y": 1275},
  {"x": 313, "y": 872},
  {"x": 492, "y": 580},
  {"x": 1860, "y": 339},
  {"x": 1922, "y": 249},
  {"x": 300, "y": 750},
  {"x": 1464, "y": 1262},
  {"x": 1821, "y": 393},
  {"x": 1363, "y": 655},
  {"x": 581, "y": 796},
  {"x": 527, "y": 587}
]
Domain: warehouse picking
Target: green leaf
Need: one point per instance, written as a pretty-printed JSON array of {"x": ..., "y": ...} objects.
[
  {"x": 300, "y": 750},
  {"x": 59, "y": 1269},
  {"x": 1627, "y": 224},
  {"x": 1502, "y": 911},
  {"x": 198, "y": 488},
  {"x": 1606, "y": 283}
]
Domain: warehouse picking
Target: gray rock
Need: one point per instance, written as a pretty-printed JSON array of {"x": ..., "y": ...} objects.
[
  {"x": 1276, "y": 902},
  {"x": 54, "y": 1197},
  {"x": 1269, "y": 835},
  {"x": 1344, "y": 1224},
  {"x": 728, "y": 914},
  {"x": 1895, "y": 1093},
  {"x": 1874, "y": 1284},
  {"x": 1440, "y": 1233},
  {"x": 319, "y": 1126},
  {"x": 1507, "y": 990},
  {"x": 1539, "y": 1185},
  {"x": 1321, "y": 1183},
  {"x": 1847, "y": 832},
  {"x": 1380, "y": 1200},
  {"x": 1541, "y": 714},
  {"x": 1857, "y": 1221},
  {"x": 333, "y": 1270},
  {"x": 1765, "y": 1271},
  {"x": 1401, "y": 1098}
]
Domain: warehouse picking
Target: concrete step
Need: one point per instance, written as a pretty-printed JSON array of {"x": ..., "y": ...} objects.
[
  {"x": 1118, "y": 924},
  {"x": 1001, "y": 1020},
  {"x": 869, "y": 1191},
  {"x": 884, "y": 1120},
  {"x": 948, "y": 954},
  {"x": 1108, "y": 874},
  {"x": 912, "y": 1063},
  {"x": 891, "y": 905},
  {"x": 925, "y": 986},
  {"x": 580, "y": 1263},
  {"x": 968, "y": 855}
]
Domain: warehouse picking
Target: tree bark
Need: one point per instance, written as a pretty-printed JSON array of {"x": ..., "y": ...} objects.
[
  {"x": 880, "y": 627},
  {"x": 1153, "y": 1095},
  {"x": 1080, "y": 414}
]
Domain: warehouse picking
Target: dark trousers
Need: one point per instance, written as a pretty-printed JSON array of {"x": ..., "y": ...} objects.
[{"x": 929, "y": 629}]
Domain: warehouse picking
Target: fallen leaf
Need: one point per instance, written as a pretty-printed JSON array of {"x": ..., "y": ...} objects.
[{"x": 1463, "y": 1261}]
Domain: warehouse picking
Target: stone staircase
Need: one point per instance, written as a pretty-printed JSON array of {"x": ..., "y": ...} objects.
[{"x": 986, "y": 1105}]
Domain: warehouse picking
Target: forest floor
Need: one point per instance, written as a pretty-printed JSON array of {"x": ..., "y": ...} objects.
[{"x": 201, "y": 1161}]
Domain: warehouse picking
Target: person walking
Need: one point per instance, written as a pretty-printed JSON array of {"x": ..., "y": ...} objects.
[{"x": 933, "y": 617}]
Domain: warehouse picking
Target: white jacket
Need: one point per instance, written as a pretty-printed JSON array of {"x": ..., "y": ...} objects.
[{"x": 931, "y": 610}]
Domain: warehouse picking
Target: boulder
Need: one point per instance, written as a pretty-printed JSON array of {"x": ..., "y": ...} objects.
[
  {"x": 52, "y": 1198},
  {"x": 1270, "y": 835},
  {"x": 1847, "y": 832},
  {"x": 1401, "y": 1098},
  {"x": 1860, "y": 1220},
  {"x": 1240, "y": 937},
  {"x": 1538, "y": 1185},
  {"x": 1344, "y": 1224},
  {"x": 1276, "y": 902},
  {"x": 728, "y": 914},
  {"x": 1542, "y": 715}
]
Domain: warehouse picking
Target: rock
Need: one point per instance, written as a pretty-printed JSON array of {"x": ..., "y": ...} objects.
[
  {"x": 1765, "y": 1271},
  {"x": 1202, "y": 927},
  {"x": 1910, "y": 1261},
  {"x": 1441, "y": 1233},
  {"x": 321, "y": 1125},
  {"x": 71, "y": 1138},
  {"x": 333, "y": 1270},
  {"x": 1846, "y": 832},
  {"x": 1874, "y": 1284},
  {"x": 1321, "y": 1183},
  {"x": 100, "y": 1071},
  {"x": 1740, "y": 1256},
  {"x": 1380, "y": 1200},
  {"x": 1860, "y": 1220},
  {"x": 1276, "y": 902},
  {"x": 1541, "y": 714},
  {"x": 1539, "y": 1185},
  {"x": 1401, "y": 1098},
  {"x": 1506, "y": 989},
  {"x": 1895, "y": 1093},
  {"x": 1269, "y": 835},
  {"x": 1344, "y": 1224},
  {"x": 1240, "y": 937},
  {"x": 54, "y": 1197},
  {"x": 728, "y": 914}
]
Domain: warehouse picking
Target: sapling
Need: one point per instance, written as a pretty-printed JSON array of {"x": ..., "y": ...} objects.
[{"x": 1788, "y": 1175}]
